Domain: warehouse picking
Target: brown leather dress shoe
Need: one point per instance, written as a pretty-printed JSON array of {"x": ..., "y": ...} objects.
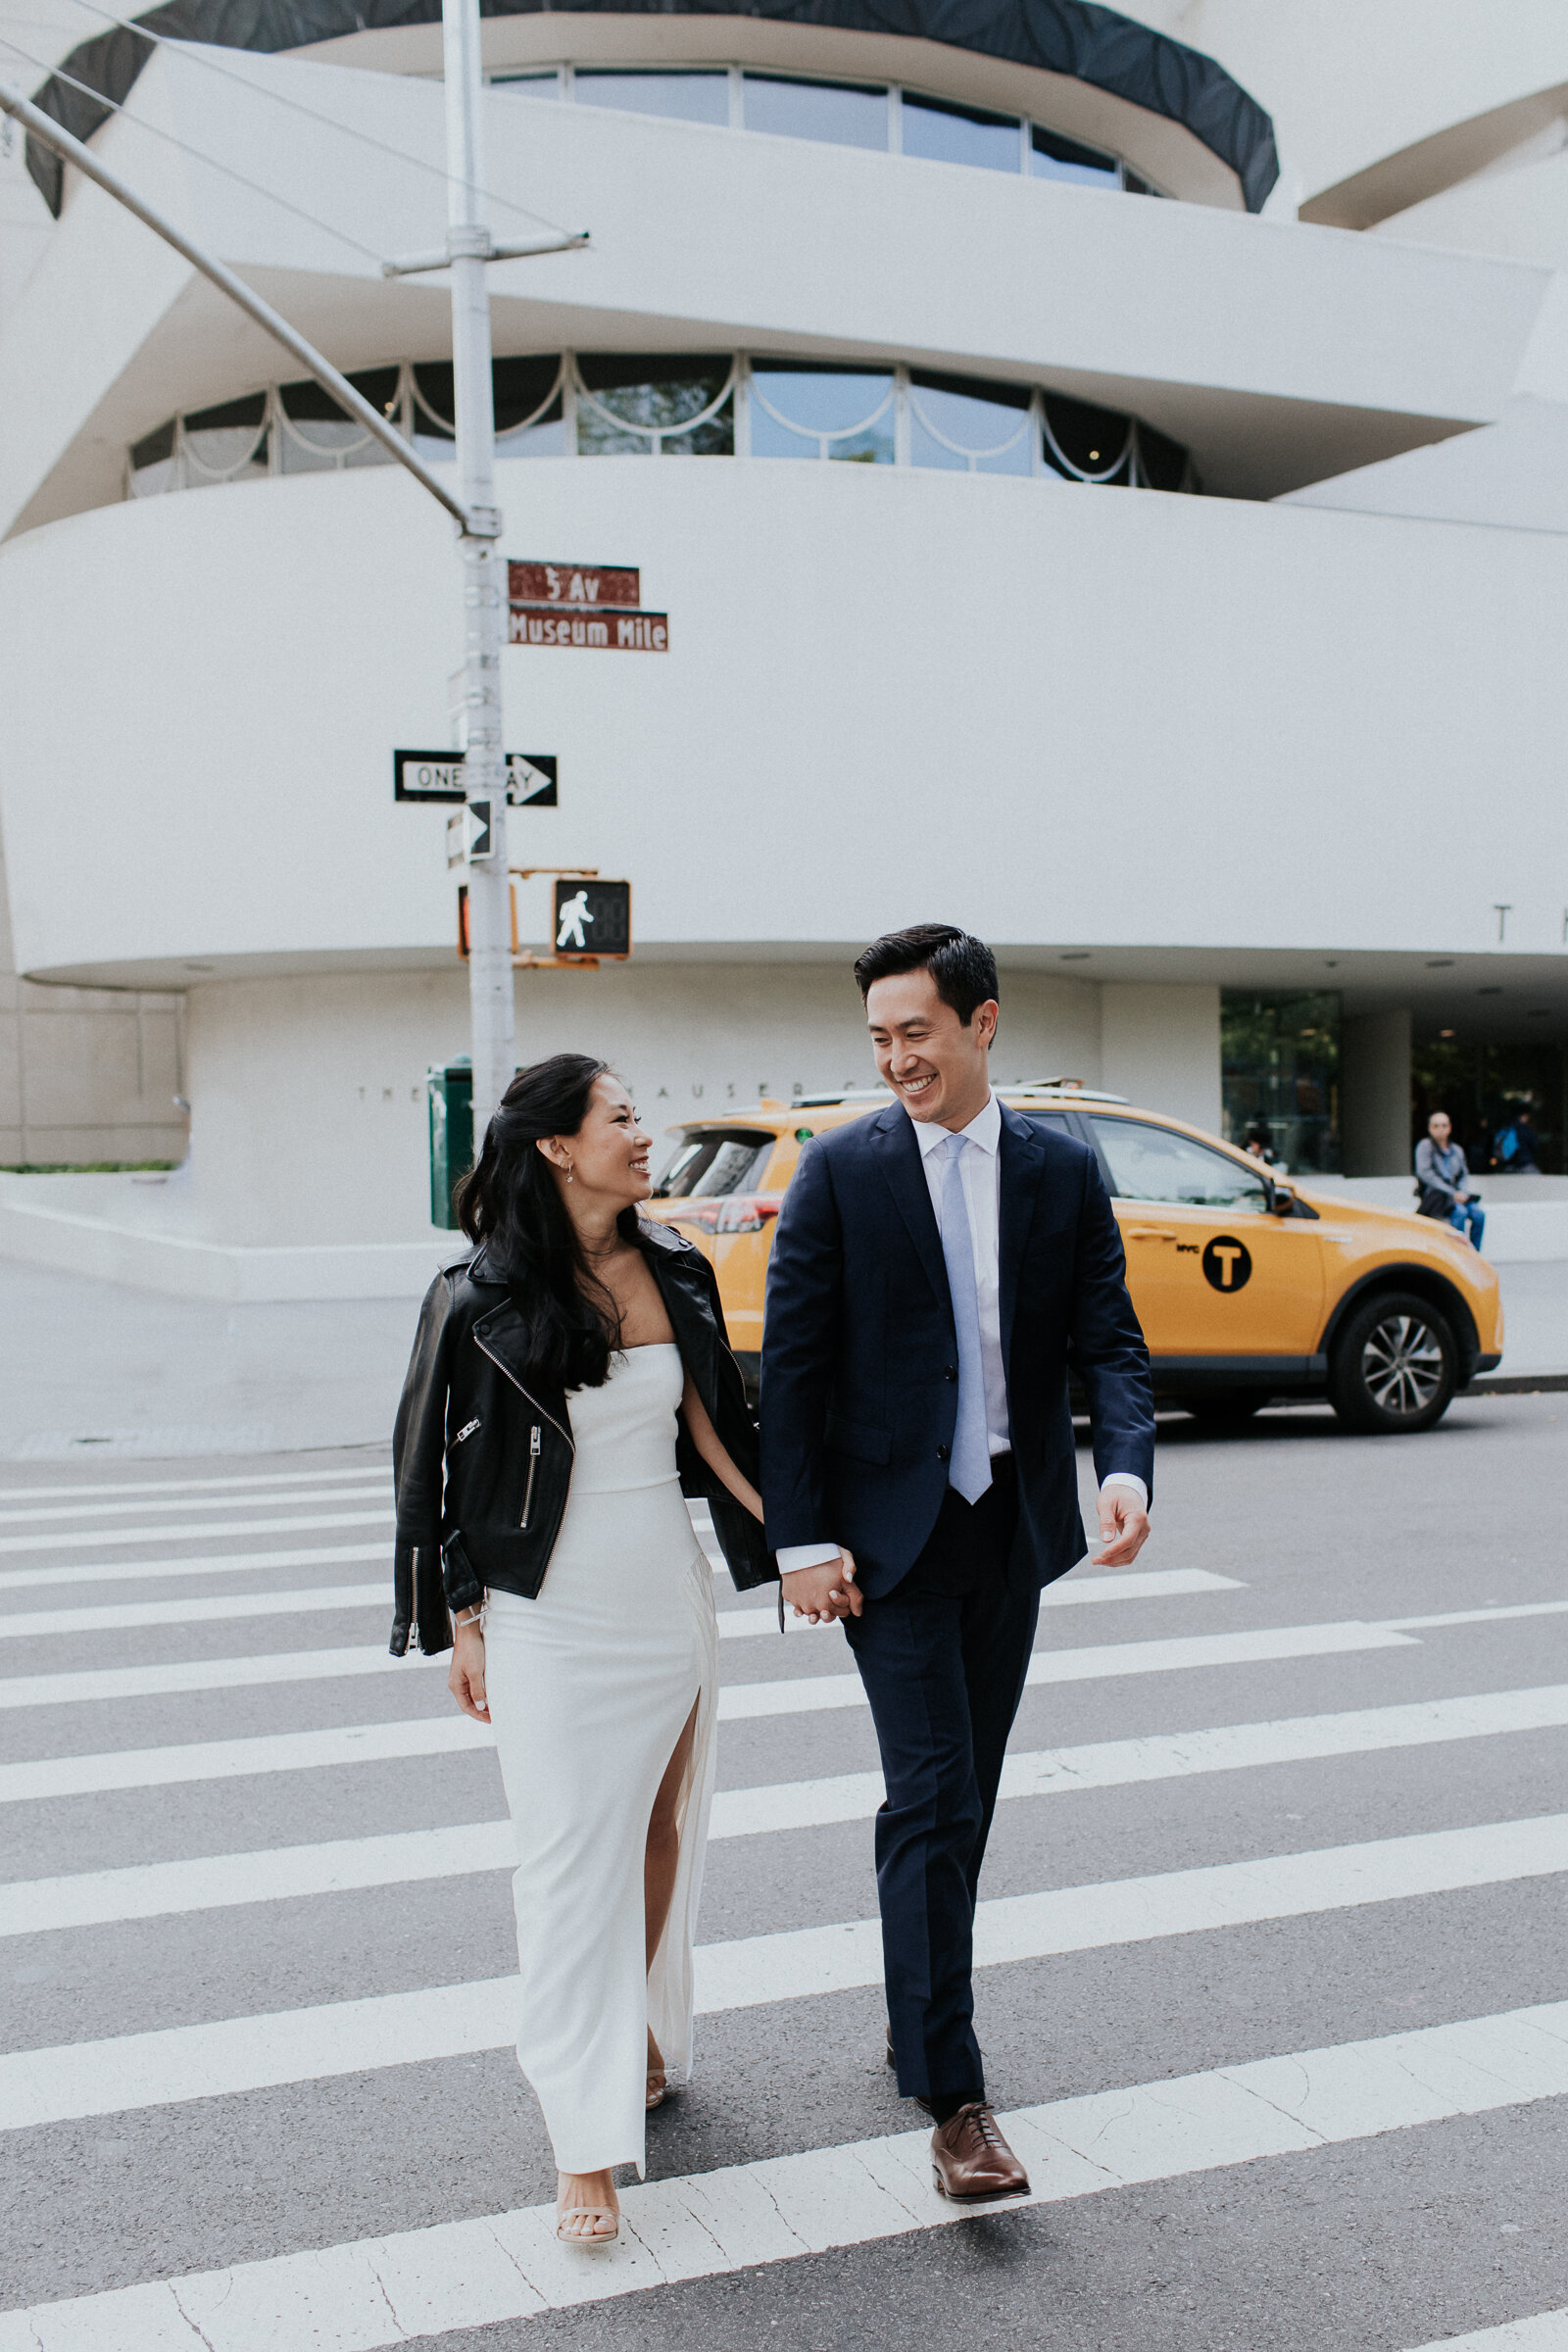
[{"x": 970, "y": 2159}]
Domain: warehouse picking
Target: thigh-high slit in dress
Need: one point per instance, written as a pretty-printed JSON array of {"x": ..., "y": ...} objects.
[{"x": 591, "y": 1686}]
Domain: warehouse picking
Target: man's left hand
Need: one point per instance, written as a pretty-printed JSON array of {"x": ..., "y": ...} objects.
[{"x": 1123, "y": 1528}]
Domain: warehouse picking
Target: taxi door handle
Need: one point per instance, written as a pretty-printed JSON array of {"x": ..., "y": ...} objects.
[{"x": 1152, "y": 1233}]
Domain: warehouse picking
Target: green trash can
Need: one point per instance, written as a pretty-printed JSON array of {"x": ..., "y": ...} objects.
[{"x": 451, "y": 1089}]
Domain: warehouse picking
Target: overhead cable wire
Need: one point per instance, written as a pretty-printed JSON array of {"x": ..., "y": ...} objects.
[
  {"x": 213, "y": 162},
  {"x": 190, "y": 51},
  {"x": 270, "y": 195}
]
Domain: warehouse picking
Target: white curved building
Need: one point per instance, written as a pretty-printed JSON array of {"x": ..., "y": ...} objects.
[{"x": 1083, "y": 534}]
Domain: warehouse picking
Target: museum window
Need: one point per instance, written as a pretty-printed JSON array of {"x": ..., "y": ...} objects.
[
  {"x": 672, "y": 404},
  {"x": 887, "y": 118},
  {"x": 1280, "y": 1076}
]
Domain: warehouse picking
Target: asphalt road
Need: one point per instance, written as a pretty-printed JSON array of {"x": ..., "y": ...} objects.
[{"x": 1277, "y": 1959}]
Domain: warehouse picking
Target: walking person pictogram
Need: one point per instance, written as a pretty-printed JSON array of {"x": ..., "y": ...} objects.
[{"x": 573, "y": 913}]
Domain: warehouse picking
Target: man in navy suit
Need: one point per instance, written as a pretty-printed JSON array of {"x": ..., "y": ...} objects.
[{"x": 935, "y": 1268}]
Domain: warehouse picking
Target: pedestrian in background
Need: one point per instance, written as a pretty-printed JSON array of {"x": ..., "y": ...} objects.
[
  {"x": 935, "y": 1266},
  {"x": 566, "y": 1384},
  {"x": 1442, "y": 1179},
  {"x": 1513, "y": 1146}
]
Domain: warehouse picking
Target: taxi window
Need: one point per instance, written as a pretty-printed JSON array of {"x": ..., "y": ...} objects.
[
  {"x": 713, "y": 1161},
  {"x": 1150, "y": 1163}
]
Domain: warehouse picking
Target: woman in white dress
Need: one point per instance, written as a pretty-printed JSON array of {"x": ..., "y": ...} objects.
[{"x": 566, "y": 1384}]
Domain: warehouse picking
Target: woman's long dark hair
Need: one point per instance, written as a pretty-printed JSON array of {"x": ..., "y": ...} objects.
[{"x": 511, "y": 1202}]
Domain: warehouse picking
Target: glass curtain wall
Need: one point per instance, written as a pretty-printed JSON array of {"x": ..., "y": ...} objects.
[
  {"x": 1280, "y": 1076},
  {"x": 1483, "y": 1088}
]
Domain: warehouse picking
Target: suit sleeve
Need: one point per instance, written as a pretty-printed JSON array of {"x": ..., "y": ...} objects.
[
  {"x": 418, "y": 1467},
  {"x": 800, "y": 1348},
  {"x": 1107, "y": 1343}
]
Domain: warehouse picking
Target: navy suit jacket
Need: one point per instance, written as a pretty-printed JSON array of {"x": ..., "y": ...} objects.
[{"x": 859, "y": 1353}]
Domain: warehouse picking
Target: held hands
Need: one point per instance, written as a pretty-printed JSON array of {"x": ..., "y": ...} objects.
[
  {"x": 466, "y": 1678},
  {"x": 1124, "y": 1529},
  {"x": 826, "y": 1593}
]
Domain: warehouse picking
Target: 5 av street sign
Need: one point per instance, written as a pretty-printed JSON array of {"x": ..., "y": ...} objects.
[{"x": 531, "y": 777}]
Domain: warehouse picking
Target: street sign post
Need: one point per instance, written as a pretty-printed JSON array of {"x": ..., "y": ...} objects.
[{"x": 531, "y": 777}]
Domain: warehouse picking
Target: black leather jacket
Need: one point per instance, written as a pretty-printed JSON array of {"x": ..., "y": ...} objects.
[{"x": 481, "y": 1458}]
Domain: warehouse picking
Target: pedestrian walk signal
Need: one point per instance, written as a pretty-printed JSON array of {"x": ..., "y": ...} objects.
[{"x": 593, "y": 919}]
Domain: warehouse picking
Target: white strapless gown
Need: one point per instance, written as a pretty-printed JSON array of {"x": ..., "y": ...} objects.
[{"x": 590, "y": 1688}]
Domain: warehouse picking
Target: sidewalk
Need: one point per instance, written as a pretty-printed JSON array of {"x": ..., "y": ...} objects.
[{"x": 93, "y": 1370}]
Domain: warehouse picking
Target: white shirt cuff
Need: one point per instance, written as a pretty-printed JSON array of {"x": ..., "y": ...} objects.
[
  {"x": 1127, "y": 1477},
  {"x": 805, "y": 1556}
]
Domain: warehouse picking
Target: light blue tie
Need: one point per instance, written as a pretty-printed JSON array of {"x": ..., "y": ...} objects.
[{"x": 970, "y": 1469}]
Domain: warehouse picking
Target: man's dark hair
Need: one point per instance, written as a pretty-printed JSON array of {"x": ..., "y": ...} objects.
[{"x": 963, "y": 967}]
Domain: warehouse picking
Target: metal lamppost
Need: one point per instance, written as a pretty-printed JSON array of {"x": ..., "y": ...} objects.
[{"x": 468, "y": 248}]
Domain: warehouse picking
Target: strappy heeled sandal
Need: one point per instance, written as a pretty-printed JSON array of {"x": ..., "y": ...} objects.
[
  {"x": 590, "y": 2238},
  {"x": 658, "y": 2089}
]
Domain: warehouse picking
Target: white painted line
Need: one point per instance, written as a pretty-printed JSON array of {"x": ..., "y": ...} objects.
[
  {"x": 101, "y": 1684},
  {"x": 31, "y": 1906},
  {"x": 736, "y": 1700},
  {"x": 1159, "y": 1756},
  {"x": 847, "y": 1796},
  {"x": 339, "y": 2038},
  {"x": 362, "y": 1493},
  {"x": 118, "y": 1616},
  {"x": 192, "y": 1485},
  {"x": 118, "y": 1537},
  {"x": 218, "y": 1563},
  {"x": 1103, "y": 1660},
  {"x": 1523, "y": 1608},
  {"x": 1137, "y": 1584},
  {"x": 1548, "y": 2331},
  {"x": 232, "y": 1759},
  {"x": 364, "y": 2294}
]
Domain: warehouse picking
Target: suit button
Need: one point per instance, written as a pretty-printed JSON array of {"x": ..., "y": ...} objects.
[
  {"x": 944, "y": 1453},
  {"x": 950, "y": 1371}
]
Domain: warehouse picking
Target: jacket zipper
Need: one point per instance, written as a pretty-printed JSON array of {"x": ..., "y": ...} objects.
[{"x": 533, "y": 1466}]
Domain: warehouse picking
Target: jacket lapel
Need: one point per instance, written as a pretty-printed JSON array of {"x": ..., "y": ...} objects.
[
  {"x": 899, "y": 1159},
  {"x": 1023, "y": 1162},
  {"x": 694, "y": 1331}
]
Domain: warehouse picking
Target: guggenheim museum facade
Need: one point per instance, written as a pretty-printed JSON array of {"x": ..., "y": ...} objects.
[{"x": 1100, "y": 477}]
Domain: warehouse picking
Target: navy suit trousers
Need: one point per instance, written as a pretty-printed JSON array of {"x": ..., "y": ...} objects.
[{"x": 943, "y": 1657}]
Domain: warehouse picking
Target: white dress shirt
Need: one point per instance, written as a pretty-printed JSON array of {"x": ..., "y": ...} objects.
[{"x": 980, "y": 1166}]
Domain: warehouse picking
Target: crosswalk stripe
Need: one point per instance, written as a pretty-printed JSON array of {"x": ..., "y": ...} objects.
[
  {"x": 369, "y": 1473},
  {"x": 1070, "y": 1591},
  {"x": 737, "y": 1701},
  {"x": 464, "y": 2275},
  {"x": 216, "y": 1563},
  {"x": 177, "y": 2063},
  {"x": 1546, "y": 2331},
  {"x": 118, "y": 1537},
  {"x": 232, "y": 1759},
  {"x": 273, "y": 1874},
  {"x": 1089, "y": 1664},
  {"x": 100, "y": 1685},
  {"x": 363, "y": 1492},
  {"x": 118, "y": 1616},
  {"x": 847, "y": 1796}
]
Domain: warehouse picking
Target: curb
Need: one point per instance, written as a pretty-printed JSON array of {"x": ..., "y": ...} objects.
[{"x": 1516, "y": 1384}]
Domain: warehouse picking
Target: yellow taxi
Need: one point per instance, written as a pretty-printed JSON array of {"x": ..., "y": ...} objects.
[{"x": 1247, "y": 1286}]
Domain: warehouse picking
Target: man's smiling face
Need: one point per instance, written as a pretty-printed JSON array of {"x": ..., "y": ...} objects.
[{"x": 935, "y": 1064}]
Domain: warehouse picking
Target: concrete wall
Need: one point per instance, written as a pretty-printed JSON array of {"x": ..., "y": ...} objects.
[
  {"x": 85, "y": 1074},
  {"x": 1375, "y": 1093},
  {"x": 1160, "y": 1047},
  {"x": 309, "y": 1118}
]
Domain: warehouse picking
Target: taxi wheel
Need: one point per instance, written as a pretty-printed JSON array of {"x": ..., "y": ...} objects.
[{"x": 1396, "y": 1366}]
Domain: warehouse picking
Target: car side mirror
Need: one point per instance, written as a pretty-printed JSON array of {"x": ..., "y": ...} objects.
[{"x": 1281, "y": 1199}]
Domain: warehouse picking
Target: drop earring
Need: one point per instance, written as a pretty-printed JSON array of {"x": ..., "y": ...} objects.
[{"x": 568, "y": 1171}]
